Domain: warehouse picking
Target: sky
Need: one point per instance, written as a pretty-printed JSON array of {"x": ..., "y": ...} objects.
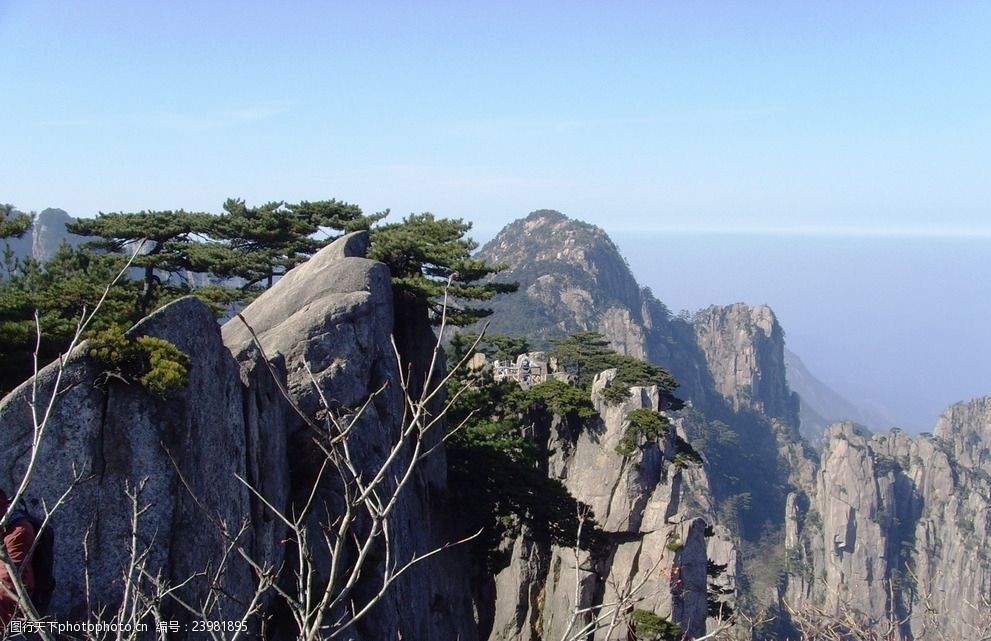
[
  {"x": 897, "y": 325},
  {"x": 839, "y": 122}
]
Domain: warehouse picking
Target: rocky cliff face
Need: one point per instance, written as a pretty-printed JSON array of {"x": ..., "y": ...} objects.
[
  {"x": 656, "y": 514},
  {"x": 898, "y": 529},
  {"x": 330, "y": 322},
  {"x": 729, "y": 361},
  {"x": 572, "y": 277},
  {"x": 325, "y": 328},
  {"x": 44, "y": 237},
  {"x": 111, "y": 449},
  {"x": 744, "y": 351},
  {"x": 966, "y": 428}
]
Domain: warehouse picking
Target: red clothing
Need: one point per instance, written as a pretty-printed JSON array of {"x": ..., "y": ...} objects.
[{"x": 18, "y": 540}]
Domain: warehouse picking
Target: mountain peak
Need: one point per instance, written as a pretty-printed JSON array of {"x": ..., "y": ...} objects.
[
  {"x": 549, "y": 215},
  {"x": 568, "y": 269}
]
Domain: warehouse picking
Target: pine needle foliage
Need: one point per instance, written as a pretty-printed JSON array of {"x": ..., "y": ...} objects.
[
  {"x": 154, "y": 363},
  {"x": 424, "y": 253}
]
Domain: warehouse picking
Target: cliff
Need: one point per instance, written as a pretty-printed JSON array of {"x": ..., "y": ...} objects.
[
  {"x": 744, "y": 351},
  {"x": 656, "y": 514},
  {"x": 886, "y": 533},
  {"x": 572, "y": 277},
  {"x": 114, "y": 460},
  {"x": 44, "y": 237},
  {"x": 209, "y": 479},
  {"x": 729, "y": 361},
  {"x": 897, "y": 529}
]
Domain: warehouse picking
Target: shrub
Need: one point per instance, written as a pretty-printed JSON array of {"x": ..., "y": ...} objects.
[
  {"x": 562, "y": 399},
  {"x": 154, "y": 363},
  {"x": 616, "y": 392},
  {"x": 643, "y": 424},
  {"x": 649, "y": 627}
]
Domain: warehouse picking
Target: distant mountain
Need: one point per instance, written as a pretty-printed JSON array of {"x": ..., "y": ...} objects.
[
  {"x": 728, "y": 360},
  {"x": 572, "y": 277},
  {"x": 45, "y": 236},
  {"x": 821, "y": 406},
  {"x": 893, "y": 528}
]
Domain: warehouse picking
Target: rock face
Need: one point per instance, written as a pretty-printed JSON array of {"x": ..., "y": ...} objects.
[
  {"x": 325, "y": 328},
  {"x": 898, "y": 529},
  {"x": 572, "y": 277},
  {"x": 655, "y": 513},
  {"x": 106, "y": 444},
  {"x": 744, "y": 350},
  {"x": 729, "y": 361},
  {"x": 330, "y": 322},
  {"x": 44, "y": 237},
  {"x": 966, "y": 427}
]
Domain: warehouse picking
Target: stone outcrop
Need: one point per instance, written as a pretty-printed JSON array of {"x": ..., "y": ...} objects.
[
  {"x": 743, "y": 347},
  {"x": 744, "y": 350},
  {"x": 966, "y": 428},
  {"x": 178, "y": 457},
  {"x": 655, "y": 512},
  {"x": 729, "y": 361},
  {"x": 325, "y": 331},
  {"x": 898, "y": 528},
  {"x": 572, "y": 277},
  {"x": 43, "y": 239},
  {"x": 330, "y": 322}
]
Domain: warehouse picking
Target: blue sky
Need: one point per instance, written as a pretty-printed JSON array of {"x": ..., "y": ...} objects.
[
  {"x": 836, "y": 116},
  {"x": 803, "y": 130}
]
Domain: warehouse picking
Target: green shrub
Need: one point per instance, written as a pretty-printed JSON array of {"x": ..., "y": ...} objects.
[
  {"x": 156, "y": 364},
  {"x": 643, "y": 424},
  {"x": 616, "y": 392},
  {"x": 647, "y": 626},
  {"x": 562, "y": 399},
  {"x": 168, "y": 366}
]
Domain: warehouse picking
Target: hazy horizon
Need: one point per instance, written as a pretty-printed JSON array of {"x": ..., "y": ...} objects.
[{"x": 897, "y": 324}]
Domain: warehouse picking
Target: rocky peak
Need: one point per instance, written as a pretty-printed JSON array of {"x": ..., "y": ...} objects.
[
  {"x": 656, "y": 513},
  {"x": 44, "y": 237},
  {"x": 897, "y": 528},
  {"x": 572, "y": 277},
  {"x": 325, "y": 326},
  {"x": 49, "y": 232},
  {"x": 967, "y": 427},
  {"x": 744, "y": 349}
]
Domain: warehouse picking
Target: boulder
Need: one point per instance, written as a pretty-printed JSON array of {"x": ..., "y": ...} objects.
[{"x": 110, "y": 448}]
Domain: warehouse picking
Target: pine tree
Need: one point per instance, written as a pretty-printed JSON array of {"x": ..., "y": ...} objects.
[
  {"x": 585, "y": 354},
  {"x": 424, "y": 253},
  {"x": 13, "y": 224},
  {"x": 269, "y": 240},
  {"x": 171, "y": 243},
  {"x": 59, "y": 291}
]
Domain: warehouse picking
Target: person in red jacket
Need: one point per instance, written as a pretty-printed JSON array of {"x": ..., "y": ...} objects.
[{"x": 18, "y": 537}]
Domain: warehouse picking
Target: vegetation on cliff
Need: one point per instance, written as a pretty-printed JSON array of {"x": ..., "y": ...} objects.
[
  {"x": 428, "y": 256},
  {"x": 225, "y": 259}
]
